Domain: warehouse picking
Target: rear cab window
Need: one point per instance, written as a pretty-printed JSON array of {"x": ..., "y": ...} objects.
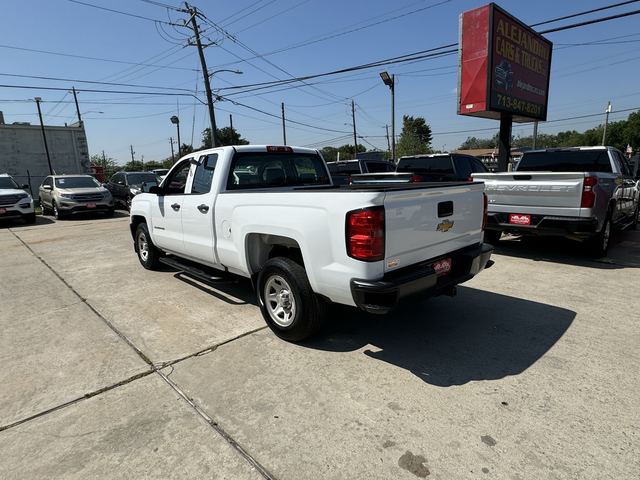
[
  {"x": 566, "y": 161},
  {"x": 380, "y": 167},
  {"x": 254, "y": 170},
  {"x": 430, "y": 168}
]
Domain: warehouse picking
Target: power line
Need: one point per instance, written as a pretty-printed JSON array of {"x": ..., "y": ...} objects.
[
  {"x": 95, "y": 82},
  {"x": 95, "y": 90},
  {"x": 586, "y": 12},
  {"x": 142, "y": 17},
  {"x": 84, "y": 57}
]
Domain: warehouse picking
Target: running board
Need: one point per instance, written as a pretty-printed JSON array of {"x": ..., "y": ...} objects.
[{"x": 190, "y": 268}]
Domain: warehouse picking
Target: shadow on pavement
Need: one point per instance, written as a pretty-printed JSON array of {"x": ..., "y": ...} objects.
[
  {"x": 624, "y": 251},
  {"x": 17, "y": 223},
  {"x": 237, "y": 291},
  {"x": 451, "y": 341}
]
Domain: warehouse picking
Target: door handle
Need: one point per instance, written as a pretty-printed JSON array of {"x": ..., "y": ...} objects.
[
  {"x": 176, "y": 206},
  {"x": 203, "y": 208}
]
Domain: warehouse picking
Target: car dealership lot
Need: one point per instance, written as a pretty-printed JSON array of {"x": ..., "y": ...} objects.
[{"x": 113, "y": 371}]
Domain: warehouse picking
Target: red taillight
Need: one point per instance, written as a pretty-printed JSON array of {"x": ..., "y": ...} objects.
[
  {"x": 588, "y": 195},
  {"x": 274, "y": 149},
  {"x": 485, "y": 212},
  {"x": 365, "y": 234},
  {"x": 415, "y": 178},
  {"x": 469, "y": 178}
]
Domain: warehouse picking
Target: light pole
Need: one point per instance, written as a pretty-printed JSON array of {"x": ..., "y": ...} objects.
[
  {"x": 214, "y": 135},
  {"x": 44, "y": 135},
  {"x": 176, "y": 120},
  {"x": 390, "y": 81},
  {"x": 606, "y": 123}
]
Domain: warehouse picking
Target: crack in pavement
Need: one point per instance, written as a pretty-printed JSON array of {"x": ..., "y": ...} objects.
[{"x": 154, "y": 368}]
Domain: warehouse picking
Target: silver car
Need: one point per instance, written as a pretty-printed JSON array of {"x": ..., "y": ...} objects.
[{"x": 69, "y": 194}]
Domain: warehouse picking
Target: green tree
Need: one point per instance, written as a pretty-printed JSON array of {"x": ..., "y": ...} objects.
[
  {"x": 347, "y": 152},
  {"x": 226, "y": 136},
  {"x": 108, "y": 164},
  {"x": 472, "y": 143},
  {"x": 415, "y": 137}
]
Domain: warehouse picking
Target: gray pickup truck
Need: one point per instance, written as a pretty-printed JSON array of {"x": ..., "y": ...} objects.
[{"x": 580, "y": 193}]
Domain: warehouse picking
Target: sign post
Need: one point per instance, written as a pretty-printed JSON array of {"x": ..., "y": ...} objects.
[{"x": 504, "y": 70}]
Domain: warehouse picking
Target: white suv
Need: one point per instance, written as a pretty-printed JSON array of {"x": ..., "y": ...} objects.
[{"x": 14, "y": 201}]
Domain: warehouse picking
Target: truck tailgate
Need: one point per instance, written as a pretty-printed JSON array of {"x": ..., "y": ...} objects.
[
  {"x": 561, "y": 190},
  {"x": 427, "y": 223}
]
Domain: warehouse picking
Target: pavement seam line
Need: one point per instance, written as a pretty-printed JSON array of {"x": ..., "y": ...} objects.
[
  {"x": 86, "y": 396},
  {"x": 215, "y": 426},
  {"x": 199, "y": 411}
]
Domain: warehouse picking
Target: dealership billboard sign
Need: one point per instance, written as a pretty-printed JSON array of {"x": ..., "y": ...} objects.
[{"x": 504, "y": 66}]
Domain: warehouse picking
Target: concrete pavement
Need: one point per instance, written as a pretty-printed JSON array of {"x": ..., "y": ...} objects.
[{"x": 528, "y": 373}]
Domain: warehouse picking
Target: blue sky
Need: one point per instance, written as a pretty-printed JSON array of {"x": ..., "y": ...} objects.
[{"x": 584, "y": 77}]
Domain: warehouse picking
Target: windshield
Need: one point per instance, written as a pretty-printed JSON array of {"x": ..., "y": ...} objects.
[
  {"x": 264, "y": 170},
  {"x": 77, "y": 182},
  {"x": 566, "y": 161},
  {"x": 7, "y": 182},
  {"x": 140, "y": 178}
]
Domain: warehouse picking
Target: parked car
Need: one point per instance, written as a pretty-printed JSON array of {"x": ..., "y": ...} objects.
[
  {"x": 273, "y": 215},
  {"x": 126, "y": 185},
  {"x": 65, "y": 195},
  {"x": 437, "y": 167},
  {"x": 160, "y": 172},
  {"x": 580, "y": 193},
  {"x": 342, "y": 171},
  {"x": 14, "y": 201}
]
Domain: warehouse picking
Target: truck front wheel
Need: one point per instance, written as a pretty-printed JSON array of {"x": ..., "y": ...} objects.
[
  {"x": 148, "y": 254},
  {"x": 492, "y": 236},
  {"x": 287, "y": 302}
]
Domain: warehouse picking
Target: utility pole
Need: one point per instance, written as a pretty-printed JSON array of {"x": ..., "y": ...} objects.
[
  {"x": 535, "y": 134},
  {"x": 606, "y": 123},
  {"x": 355, "y": 137},
  {"x": 388, "y": 142},
  {"x": 284, "y": 128},
  {"x": 231, "y": 121},
  {"x": 504, "y": 141},
  {"x": 205, "y": 73},
  {"x": 393, "y": 117},
  {"x": 75, "y": 98},
  {"x": 173, "y": 157},
  {"x": 132, "y": 154},
  {"x": 44, "y": 136}
]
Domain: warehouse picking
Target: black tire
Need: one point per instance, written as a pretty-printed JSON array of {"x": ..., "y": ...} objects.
[
  {"x": 43, "y": 208},
  {"x": 492, "y": 236},
  {"x": 598, "y": 245},
  {"x": 149, "y": 256},
  {"x": 308, "y": 312},
  {"x": 636, "y": 217},
  {"x": 109, "y": 213},
  {"x": 56, "y": 211},
  {"x": 31, "y": 218}
]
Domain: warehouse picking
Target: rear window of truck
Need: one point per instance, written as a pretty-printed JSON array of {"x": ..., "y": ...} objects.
[
  {"x": 432, "y": 168},
  {"x": 566, "y": 161},
  {"x": 269, "y": 170}
]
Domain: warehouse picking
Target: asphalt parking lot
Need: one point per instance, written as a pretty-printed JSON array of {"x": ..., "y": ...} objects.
[{"x": 111, "y": 371}]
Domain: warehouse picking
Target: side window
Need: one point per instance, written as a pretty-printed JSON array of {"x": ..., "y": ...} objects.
[
  {"x": 463, "y": 167},
  {"x": 625, "y": 167},
  {"x": 176, "y": 183},
  {"x": 377, "y": 167},
  {"x": 204, "y": 174},
  {"x": 118, "y": 178},
  {"x": 477, "y": 166}
]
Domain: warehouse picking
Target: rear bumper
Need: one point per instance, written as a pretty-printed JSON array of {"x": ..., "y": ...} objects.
[
  {"x": 545, "y": 225},
  {"x": 16, "y": 211},
  {"x": 382, "y": 296}
]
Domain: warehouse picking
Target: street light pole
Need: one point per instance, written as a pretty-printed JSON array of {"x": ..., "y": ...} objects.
[
  {"x": 606, "y": 123},
  {"x": 44, "y": 135},
  {"x": 176, "y": 121},
  {"x": 390, "y": 81}
]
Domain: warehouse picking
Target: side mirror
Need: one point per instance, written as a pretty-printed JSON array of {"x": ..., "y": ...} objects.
[
  {"x": 47, "y": 187},
  {"x": 24, "y": 187},
  {"x": 155, "y": 190}
]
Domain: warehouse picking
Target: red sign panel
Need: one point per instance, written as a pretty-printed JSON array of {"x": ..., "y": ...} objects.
[{"x": 504, "y": 66}]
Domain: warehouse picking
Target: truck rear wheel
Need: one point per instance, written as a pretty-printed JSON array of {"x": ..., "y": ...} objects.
[
  {"x": 599, "y": 245},
  {"x": 147, "y": 252},
  {"x": 287, "y": 302}
]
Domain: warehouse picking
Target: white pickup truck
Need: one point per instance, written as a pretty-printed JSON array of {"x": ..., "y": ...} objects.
[{"x": 272, "y": 214}]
